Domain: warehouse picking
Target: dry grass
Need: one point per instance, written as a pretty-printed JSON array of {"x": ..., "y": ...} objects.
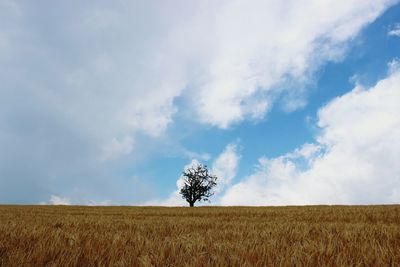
[{"x": 206, "y": 236}]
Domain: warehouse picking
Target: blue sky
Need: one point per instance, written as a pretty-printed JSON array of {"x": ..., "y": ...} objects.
[{"x": 106, "y": 103}]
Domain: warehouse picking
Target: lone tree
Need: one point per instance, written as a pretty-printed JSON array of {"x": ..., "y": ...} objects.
[{"x": 198, "y": 183}]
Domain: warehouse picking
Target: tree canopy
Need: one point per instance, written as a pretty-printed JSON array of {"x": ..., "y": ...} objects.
[{"x": 198, "y": 184}]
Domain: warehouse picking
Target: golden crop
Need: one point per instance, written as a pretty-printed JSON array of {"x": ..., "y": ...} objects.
[{"x": 202, "y": 236}]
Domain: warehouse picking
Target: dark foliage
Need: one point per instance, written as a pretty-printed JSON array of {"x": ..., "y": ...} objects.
[{"x": 198, "y": 184}]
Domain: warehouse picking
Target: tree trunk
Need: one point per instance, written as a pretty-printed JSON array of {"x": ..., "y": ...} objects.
[{"x": 191, "y": 204}]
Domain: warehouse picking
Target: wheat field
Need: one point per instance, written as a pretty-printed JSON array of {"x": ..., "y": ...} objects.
[{"x": 201, "y": 236}]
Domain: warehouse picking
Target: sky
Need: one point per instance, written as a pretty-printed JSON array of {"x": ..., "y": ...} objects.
[{"x": 287, "y": 102}]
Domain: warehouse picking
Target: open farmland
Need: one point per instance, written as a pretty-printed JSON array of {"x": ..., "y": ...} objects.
[{"x": 204, "y": 236}]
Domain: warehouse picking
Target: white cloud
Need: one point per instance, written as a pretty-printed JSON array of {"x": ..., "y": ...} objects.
[
  {"x": 395, "y": 30},
  {"x": 394, "y": 65},
  {"x": 231, "y": 54},
  {"x": 86, "y": 79},
  {"x": 117, "y": 148},
  {"x": 258, "y": 55},
  {"x": 354, "y": 161},
  {"x": 57, "y": 200},
  {"x": 225, "y": 167},
  {"x": 98, "y": 203}
]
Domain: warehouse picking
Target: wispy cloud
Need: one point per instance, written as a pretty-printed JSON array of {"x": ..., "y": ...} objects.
[
  {"x": 395, "y": 30},
  {"x": 57, "y": 200}
]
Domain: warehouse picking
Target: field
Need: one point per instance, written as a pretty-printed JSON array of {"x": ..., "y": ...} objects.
[{"x": 205, "y": 236}]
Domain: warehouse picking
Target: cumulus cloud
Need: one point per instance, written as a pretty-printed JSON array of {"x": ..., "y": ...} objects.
[
  {"x": 395, "y": 30},
  {"x": 355, "y": 159},
  {"x": 84, "y": 80},
  {"x": 225, "y": 166}
]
